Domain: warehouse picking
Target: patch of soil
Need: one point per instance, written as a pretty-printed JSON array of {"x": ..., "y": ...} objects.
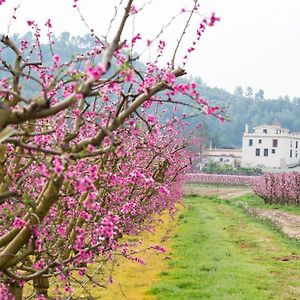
[
  {"x": 243, "y": 245},
  {"x": 287, "y": 222},
  {"x": 236, "y": 193},
  {"x": 289, "y": 258},
  {"x": 221, "y": 192},
  {"x": 167, "y": 235}
]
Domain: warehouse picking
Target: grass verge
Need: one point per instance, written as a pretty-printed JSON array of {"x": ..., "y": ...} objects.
[
  {"x": 131, "y": 280},
  {"x": 252, "y": 200},
  {"x": 221, "y": 253}
]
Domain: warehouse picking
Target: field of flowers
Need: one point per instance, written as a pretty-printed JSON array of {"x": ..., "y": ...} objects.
[
  {"x": 280, "y": 188},
  {"x": 221, "y": 179}
]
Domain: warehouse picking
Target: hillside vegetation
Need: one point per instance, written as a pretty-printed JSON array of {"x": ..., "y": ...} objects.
[{"x": 241, "y": 107}]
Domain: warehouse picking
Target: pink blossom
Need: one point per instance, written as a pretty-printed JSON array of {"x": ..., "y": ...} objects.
[
  {"x": 58, "y": 165},
  {"x": 75, "y": 3},
  {"x": 163, "y": 190},
  {"x": 159, "y": 248},
  {"x": 18, "y": 223},
  {"x": 43, "y": 170},
  {"x": 133, "y": 9},
  {"x": 24, "y": 45},
  {"x": 56, "y": 59},
  {"x": 136, "y": 38},
  {"x": 29, "y": 22},
  {"x": 48, "y": 23},
  {"x": 96, "y": 72},
  {"x": 151, "y": 119},
  {"x": 170, "y": 78},
  {"x": 213, "y": 20}
]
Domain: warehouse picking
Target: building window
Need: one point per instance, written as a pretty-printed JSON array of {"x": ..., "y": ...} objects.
[
  {"x": 266, "y": 152},
  {"x": 291, "y": 145},
  {"x": 291, "y": 153},
  {"x": 257, "y": 152},
  {"x": 296, "y": 144},
  {"x": 296, "y": 154},
  {"x": 273, "y": 151},
  {"x": 275, "y": 143},
  {"x": 259, "y": 141},
  {"x": 250, "y": 142},
  {"x": 265, "y": 130},
  {"x": 221, "y": 158}
]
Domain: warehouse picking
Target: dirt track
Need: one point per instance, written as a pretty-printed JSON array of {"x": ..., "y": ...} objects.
[
  {"x": 288, "y": 223},
  {"x": 223, "y": 192}
]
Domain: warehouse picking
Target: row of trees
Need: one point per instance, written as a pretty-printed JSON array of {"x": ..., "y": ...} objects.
[
  {"x": 84, "y": 159},
  {"x": 217, "y": 168},
  {"x": 259, "y": 95},
  {"x": 249, "y": 93},
  {"x": 279, "y": 188}
]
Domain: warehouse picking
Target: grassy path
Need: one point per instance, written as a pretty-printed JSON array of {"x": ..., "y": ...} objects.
[{"x": 221, "y": 253}]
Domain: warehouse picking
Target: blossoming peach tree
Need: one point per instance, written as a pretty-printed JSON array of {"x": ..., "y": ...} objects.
[
  {"x": 279, "y": 188},
  {"x": 85, "y": 159}
]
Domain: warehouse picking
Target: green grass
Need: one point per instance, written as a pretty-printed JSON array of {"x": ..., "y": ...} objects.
[
  {"x": 221, "y": 253},
  {"x": 252, "y": 200}
]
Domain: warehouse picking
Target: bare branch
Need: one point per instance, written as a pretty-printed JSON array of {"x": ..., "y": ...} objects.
[
  {"x": 184, "y": 30},
  {"x": 8, "y": 194},
  {"x": 115, "y": 44},
  {"x": 31, "y": 147}
]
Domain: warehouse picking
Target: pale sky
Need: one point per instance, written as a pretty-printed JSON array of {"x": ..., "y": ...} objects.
[{"x": 257, "y": 42}]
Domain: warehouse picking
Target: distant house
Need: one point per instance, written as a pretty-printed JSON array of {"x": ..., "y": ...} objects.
[
  {"x": 230, "y": 157},
  {"x": 270, "y": 146}
]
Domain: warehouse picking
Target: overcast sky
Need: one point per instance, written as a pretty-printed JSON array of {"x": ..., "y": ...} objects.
[{"x": 257, "y": 42}]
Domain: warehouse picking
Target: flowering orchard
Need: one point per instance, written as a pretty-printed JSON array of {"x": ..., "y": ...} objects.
[
  {"x": 281, "y": 188},
  {"x": 220, "y": 179},
  {"x": 85, "y": 159}
]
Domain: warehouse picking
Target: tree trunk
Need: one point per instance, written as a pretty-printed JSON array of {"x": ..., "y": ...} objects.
[
  {"x": 16, "y": 291},
  {"x": 41, "y": 286}
]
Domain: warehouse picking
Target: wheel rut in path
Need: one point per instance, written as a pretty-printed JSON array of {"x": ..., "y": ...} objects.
[{"x": 288, "y": 223}]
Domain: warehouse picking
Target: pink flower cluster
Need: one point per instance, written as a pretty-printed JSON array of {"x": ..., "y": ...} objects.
[
  {"x": 133, "y": 9},
  {"x": 18, "y": 223},
  {"x": 280, "y": 188},
  {"x": 96, "y": 72}
]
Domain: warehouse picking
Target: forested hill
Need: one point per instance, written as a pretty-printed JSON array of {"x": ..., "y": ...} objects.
[
  {"x": 252, "y": 109},
  {"x": 242, "y": 107}
]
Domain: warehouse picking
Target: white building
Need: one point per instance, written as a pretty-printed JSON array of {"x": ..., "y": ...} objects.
[
  {"x": 230, "y": 157},
  {"x": 270, "y": 146}
]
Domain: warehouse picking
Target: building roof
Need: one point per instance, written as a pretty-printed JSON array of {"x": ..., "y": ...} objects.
[
  {"x": 277, "y": 132},
  {"x": 223, "y": 152},
  {"x": 270, "y": 126}
]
